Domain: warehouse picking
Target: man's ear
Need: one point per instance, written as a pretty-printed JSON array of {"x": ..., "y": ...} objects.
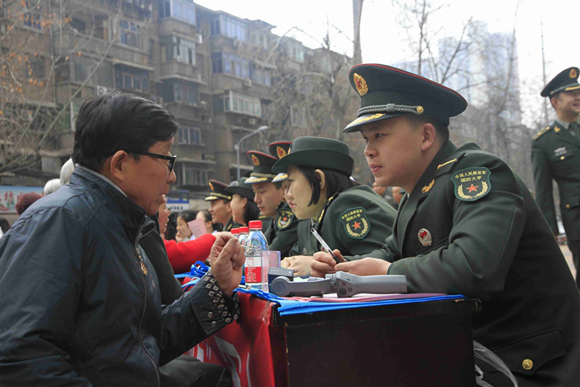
[
  {"x": 114, "y": 166},
  {"x": 429, "y": 134},
  {"x": 322, "y": 178}
]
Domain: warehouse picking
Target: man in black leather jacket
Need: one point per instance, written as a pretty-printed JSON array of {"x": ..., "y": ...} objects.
[{"x": 81, "y": 298}]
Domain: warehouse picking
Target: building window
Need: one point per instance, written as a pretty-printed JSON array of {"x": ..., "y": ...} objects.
[
  {"x": 130, "y": 33},
  {"x": 189, "y": 136},
  {"x": 261, "y": 76},
  {"x": 82, "y": 72},
  {"x": 193, "y": 176},
  {"x": 129, "y": 78},
  {"x": 151, "y": 50},
  {"x": 179, "y": 49},
  {"x": 32, "y": 18},
  {"x": 228, "y": 26},
  {"x": 244, "y": 104},
  {"x": 224, "y": 62},
  {"x": 298, "y": 116},
  {"x": 179, "y": 9},
  {"x": 186, "y": 93}
]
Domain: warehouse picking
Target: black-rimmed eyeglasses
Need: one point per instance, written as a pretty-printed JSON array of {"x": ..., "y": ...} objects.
[{"x": 171, "y": 159}]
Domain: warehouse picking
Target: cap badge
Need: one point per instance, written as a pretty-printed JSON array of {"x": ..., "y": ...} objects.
[
  {"x": 425, "y": 237},
  {"x": 281, "y": 152},
  {"x": 361, "y": 84},
  {"x": 255, "y": 160},
  {"x": 573, "y": 73},
  {"x": 211, "y": 187},
  {"x": 471, "y": 184}
]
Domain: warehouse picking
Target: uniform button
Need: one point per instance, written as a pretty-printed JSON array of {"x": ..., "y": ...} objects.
[
  {"x": 214, "y": 324},
  {"x": 562, "y": 158},
  {"x": 527, "y": 364},
  {"x": 210, "y": 314},
  {"x": 567, "y": 206}
]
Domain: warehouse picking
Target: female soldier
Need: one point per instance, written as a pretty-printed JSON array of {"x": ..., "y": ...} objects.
[
  {"x": 243, "y": 207},
  {"x": 349, "y": 217}
]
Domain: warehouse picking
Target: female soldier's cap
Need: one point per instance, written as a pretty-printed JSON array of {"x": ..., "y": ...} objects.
[
  {"x": 218, "y": 191},
  {"x": 388, "y": 92},
  {"x": 317, "y": 152},
  {"x": 567, "y": 80},
  {"x": 241, "y": 188},
  {"x": 280, "y": 149},
  {"x": 262, "y": 171}
]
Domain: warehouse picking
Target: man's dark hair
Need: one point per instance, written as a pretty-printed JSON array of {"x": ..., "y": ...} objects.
[
  {"x": 119, "y": 121},
  {"x": 336, "y": 182},
  {"x": 441, "y": 129}
]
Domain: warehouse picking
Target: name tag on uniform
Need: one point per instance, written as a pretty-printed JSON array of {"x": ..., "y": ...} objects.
[{"x": 560, "y": 151}]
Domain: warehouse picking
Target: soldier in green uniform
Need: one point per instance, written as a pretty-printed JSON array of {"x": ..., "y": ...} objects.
[
  {"x": 556, "y": 156},
  {"x": 220, "y": 209},
  {"x": 467, "y": 225},
  {"x": 242, "y": 204},
  {"x": 349, "y": 216},
  {"x": 280, "y": 230}
]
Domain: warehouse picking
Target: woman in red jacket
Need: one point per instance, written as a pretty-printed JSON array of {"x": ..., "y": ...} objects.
[{"x": 184, "y": 254}]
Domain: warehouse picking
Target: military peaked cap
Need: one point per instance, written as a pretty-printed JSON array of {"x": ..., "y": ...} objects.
[
  {"x": 567, "y": 80},
  {"x": 317, "y": 152},
  {"x": 242, "y": 188},
  {"x": 388, "y": 92},
  {"x": 262, "y": 171},
  {"x": 280, "y": 149},
  {"x": 218, "y": 191}
]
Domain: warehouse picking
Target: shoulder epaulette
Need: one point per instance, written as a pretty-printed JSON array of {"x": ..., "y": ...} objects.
[{"x": 541, "y": 132}]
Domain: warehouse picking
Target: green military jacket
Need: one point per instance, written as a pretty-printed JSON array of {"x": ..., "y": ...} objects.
[
  {"x": 556, "y": 156},
  {"x": 281, "y": 231},
  {"x": 470, "y": 226},
  {"x": 231, "y": 224},
  {"x": 356, "y": 221}
]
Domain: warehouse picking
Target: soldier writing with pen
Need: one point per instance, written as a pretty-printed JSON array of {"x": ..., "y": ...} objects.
[{"x": 467, "y": 225}]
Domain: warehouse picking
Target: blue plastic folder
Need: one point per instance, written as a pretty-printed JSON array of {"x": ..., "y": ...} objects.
[{"x": 301, "y": 305}]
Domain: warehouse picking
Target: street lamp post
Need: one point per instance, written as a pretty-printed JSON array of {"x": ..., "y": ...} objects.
[{"x": 237, "y": 146}]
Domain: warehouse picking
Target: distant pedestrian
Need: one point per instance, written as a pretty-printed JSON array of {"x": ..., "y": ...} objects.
[
  {"x": 25, "y": 201},
  {"x": 51, "y": 186}
]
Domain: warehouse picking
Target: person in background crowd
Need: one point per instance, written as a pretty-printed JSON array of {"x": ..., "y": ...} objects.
[
  {"x": 183, "y": 231},
  {"x": 348, "y": 216},
  {"x": 556, "y": 156},
  {"x": 220, "y": 209},
  {"x": 51, "y": 186},
  {"x": 397, "y": 193},
  {"x": 102, "y": 315},
  {"x": 25, "y": 201},
  {"x": 184, "y": 254},
  {"x": 467, "y": 225},
  {"x": 276, "y": 215},
  {"x": 66, "y": 171},
  {"x": 4, "y": 226},
  {"x": 243, "y": 207},
  {"x": 381, "y": 191},
  {"x": 209, "y": 226}
]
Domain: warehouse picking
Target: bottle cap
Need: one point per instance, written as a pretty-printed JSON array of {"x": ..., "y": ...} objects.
[
  {"x": 235, "y": 231},
  {"x": 244, "y": 229},
  {"x": 255, "y": 224}
]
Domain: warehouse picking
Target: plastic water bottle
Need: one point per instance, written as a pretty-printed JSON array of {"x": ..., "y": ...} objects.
[
  {"x": 243, "y": 236},
  {"x": 255, "y": 244},
  {"x": 236, "y": 233}
]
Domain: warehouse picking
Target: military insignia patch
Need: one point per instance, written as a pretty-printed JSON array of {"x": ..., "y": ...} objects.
[
  {"x": 427, "y": 188},
  {"x": 284, "y": 218},
  {"x": 471, "y": 184},
  {"x": 361, "y": 84},
  {"x": 211, "y": 186},
  {"x": 281, "y": 152},
  {"x": 573, "y": 73},
  {"x": 255, "y": 160},
  {"x": 355, "y": 222}
]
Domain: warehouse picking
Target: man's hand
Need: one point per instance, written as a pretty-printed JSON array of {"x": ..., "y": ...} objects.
[
  {"x": 227, "y": 258},
  {"x": 365, "y": 266},
  {"x": 299, "y": 263},
  {"x": 323, "y": 263}
]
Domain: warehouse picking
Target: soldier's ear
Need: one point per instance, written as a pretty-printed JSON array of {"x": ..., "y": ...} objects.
[
  {"x": 320, "y": 175},
  {"x": 429, "y": 134}
]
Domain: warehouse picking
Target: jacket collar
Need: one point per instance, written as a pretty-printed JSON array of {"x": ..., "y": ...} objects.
[
  {"x": 133, "y": 217},
  {"x": 441, "y": 161}
]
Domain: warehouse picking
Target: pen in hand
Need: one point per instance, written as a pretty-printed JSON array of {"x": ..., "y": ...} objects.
[{"x": 324, "y": 244}]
